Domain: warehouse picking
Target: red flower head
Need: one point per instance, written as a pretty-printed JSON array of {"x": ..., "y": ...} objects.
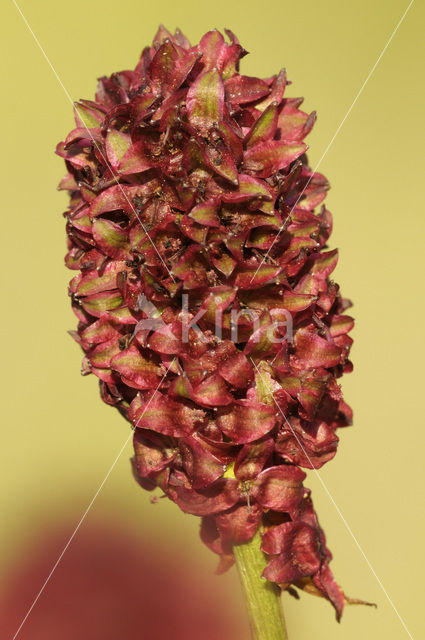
[{"x": 204, "y": 297}]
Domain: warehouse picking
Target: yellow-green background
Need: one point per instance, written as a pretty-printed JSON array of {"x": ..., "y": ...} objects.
[{"x": 58, "y": 439}]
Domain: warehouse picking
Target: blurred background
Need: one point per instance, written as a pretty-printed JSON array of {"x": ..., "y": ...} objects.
[{"x": 136, "y": 569}]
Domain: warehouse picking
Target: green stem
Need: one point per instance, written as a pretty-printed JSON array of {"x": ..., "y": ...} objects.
[{"x": 262, "y": 597}]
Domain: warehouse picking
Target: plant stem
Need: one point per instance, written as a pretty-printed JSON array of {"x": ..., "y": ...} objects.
[{"x": 262, "y": 597}]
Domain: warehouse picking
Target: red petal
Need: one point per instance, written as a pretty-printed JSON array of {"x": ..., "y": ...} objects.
[
  {"x": 99, "y": 331},
  {"x": 117, "y": 144},
  {"x": 340, "y": 325},
  {"x": 152, "y": 452},
  {"x": 264, "y": 128},
  {"x": 212, "y": 392},
  {"x": 312, "y": 351},
  {"x": 166, "y": 416},
  {"x": 222, "y": 495},
  {"x": 294, "y": 124},
  {"x": 267, "y": 158},
  {"x": 205, "y": 101},
  {"x": 183, "y": 67},
  {"x": 297, "y": 545},
  {"x": 255, "y": 277},
  {"x": 277, "y": 91},
  {"x": 206, "y": 213},
  {"x": 220, "y": 159},
  {"x": 162, "y": 69},
  {"x": 224, "y": 263},
  {"x": 120, "y": 197},
  {"x": 98, "y": 303},
  {"x": 166, "y": 340},
  {"x": 326, "y": 583},
  {"x": 239, "y": 524},
  {"x": 102, "y": 354},
  {"x": 249, "y": 188},
  {"x": 310, "y": 447},
  {"x": 92, "y": 282},
  {"x": 252, "y": 458},
  {"x": 237, "y": 370},
  {"x": 193, "y": 231},
  {"x": 136, "y": 160},
  {"x": 311, "y": 393},
  {"x": 88, "y": 114},
  {"x": 111, "y": 238},
  {"x": 161, "y": 36},
  {"x": 325, "y": 263},
  {"x": 296, "y": 301},
  {"x": 213, "y": 48},
  {"x": 279, "y": 488},
  {"x": 181, "y": 387},
  {"x": 244, "y": 89},
  {"x": 201, "y": 466},
  {"x": 246, "y": 421},
  {"x": 217, "y": 301},
  {"x": 134, "y": 367}
]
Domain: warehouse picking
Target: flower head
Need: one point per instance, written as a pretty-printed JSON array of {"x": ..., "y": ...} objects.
[{"x": 204, "y": 294}]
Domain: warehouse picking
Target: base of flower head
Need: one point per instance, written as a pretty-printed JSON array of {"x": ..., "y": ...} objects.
[{"x": 294, "y": 545}]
